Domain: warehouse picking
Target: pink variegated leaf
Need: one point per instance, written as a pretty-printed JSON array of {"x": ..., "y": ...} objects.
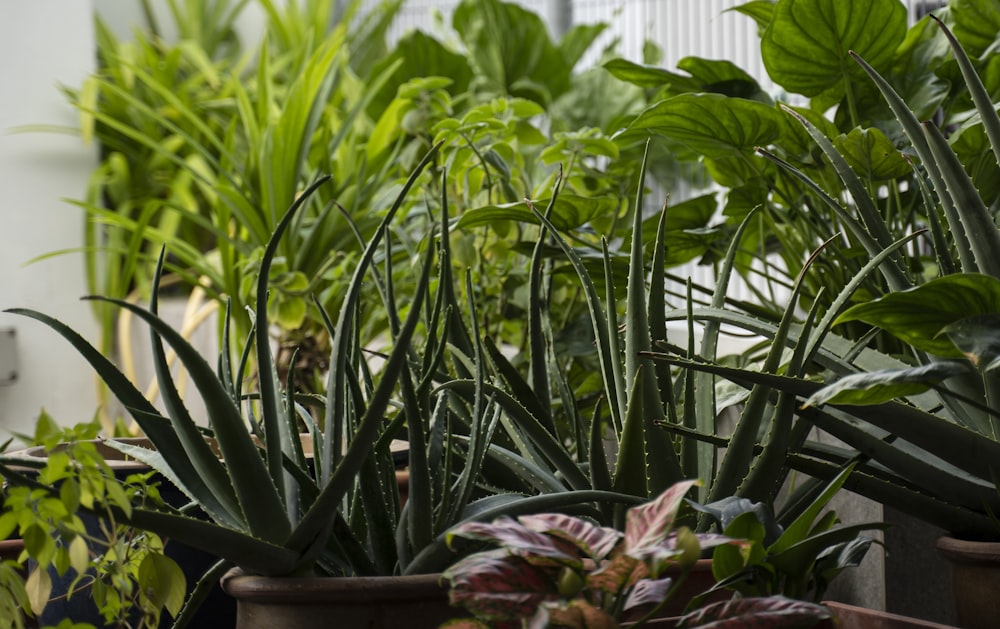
[
  {"x": 769, "y": 612},
  {"x": 577, "y": 614},
  {"x": 520, "y": 540},
  {"x": 497, "y": 586},
  {"x": 594, "y": 541},
  {"x": 617, "y": 574},
  {"x": 650, "y": 523},
  {"x": 648, "y": 592}
]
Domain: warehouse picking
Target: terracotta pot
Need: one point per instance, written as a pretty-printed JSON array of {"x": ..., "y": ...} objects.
[
  {"x": 852, "y": 617},
  {"x": 415, "y": 602},
  {"x": 975, "y": 580},
  {"x": 845, "y": 617}
]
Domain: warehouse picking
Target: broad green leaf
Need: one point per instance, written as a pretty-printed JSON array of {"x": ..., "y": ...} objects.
[
  {"x": 884, "y": 385},
  {"x": 712, "y": 125},
  {"x": 162, "y": 581},
  {"x": 918, "y": 316},
  {"x": 79, "y": 554},
  {"x": 871, "y": 154},
  {"x": 760, "y": 11},
  {"x": 977, "y": 23},
  {"x": 805, "y": 46},
  {"x": 977, "y": 337},
  {"x": 723, "y": 77},
  {"x": 568, "y": 213},
  {"x": 39, "y": 587},
  {"x": 650, "y": 76}
]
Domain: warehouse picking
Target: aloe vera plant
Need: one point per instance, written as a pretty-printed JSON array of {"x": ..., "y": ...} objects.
[{"x": 268, "y": 508}]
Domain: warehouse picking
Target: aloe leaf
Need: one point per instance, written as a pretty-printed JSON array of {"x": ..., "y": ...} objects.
[
  {"x": 980, "y": 228},
  {"x": 254, "y": 487},
  {"x": 612, "y": 386},
  {"x": 250, "y": 553},
  {"x": 538, "y": 319},
  {"x": 871, "y": 216},
  {"x": 529, "y": 426},
  {"x": 915, "y": 465},
  {"x": 980, "y": 96},
  {"x": 847, "y": 292},
  {"x": 860, "y": 233},
  {"x": 536, "y": 476},
  {"x": 959, "y": 446},
  {"x": 948, "y": 516},
  {"x": 663, "y": 467},
  {"x": 630, "y": 468},
  {"x": 914, "y": 131},
  {"x": 336, "y": 482}
]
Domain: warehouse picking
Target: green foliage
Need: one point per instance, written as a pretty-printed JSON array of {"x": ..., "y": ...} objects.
[
  {"x": 798, "y": 561},
  {"x": 206, "y": 140},
  {"x": 931, "y": 452},
  {"x": 122, "y": 569}
]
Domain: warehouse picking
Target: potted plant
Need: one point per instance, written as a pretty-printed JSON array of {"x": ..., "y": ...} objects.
[
  {"x": 272, "y": 513},
  {"x": 932, "y": 453}
]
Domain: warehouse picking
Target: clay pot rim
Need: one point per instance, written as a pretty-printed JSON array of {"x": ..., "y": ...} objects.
[
  {"x": 968, "y": 551},
  {"x": 358, "y": 590}
]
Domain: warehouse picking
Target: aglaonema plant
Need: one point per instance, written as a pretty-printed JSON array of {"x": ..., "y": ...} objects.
[{"x": 564, "y": 571}]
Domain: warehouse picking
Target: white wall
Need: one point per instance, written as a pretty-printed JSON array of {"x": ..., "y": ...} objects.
[{"x": 43, "y": 43}]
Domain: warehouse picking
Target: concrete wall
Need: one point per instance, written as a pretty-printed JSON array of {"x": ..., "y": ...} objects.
[{"x": 43, "y": 43}]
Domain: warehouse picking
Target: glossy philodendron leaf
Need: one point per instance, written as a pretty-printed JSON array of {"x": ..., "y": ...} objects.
[
  {"x": 978, "y": 338},
  {"x": 977, "y": 23},
  {"x": 871, "y": 154},
  {"x": 881, "y": 386},
  {"x": 761, "y": 11},
  {"x": 805, "y": 45},
  {"x": 568, "y": 212},
  {"x": 649, "y": 524},
  {"x": 596, "y": 541},
  {"x": 497, "y": 586},
  {"x": 712, "y": 125},
  {"x": 919, "y": 315},
  {"x": 649, "y": 76},
  {"x": 772, "y": 611}
]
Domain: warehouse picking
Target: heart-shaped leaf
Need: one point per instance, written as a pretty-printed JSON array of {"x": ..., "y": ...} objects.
[
  {"x": 712, "y": 125},
  {"x": 881, "y": 386},
  {"x": 805, "y": 45},
  {"x": 919, "y": 315}
]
